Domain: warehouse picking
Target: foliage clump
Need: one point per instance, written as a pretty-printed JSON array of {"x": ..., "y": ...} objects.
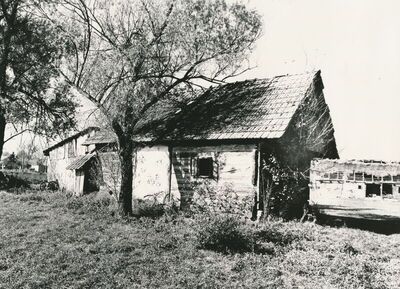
[
  {"x": 149, "y": 209},
  {"x": 12, "y": 182},
  {"x": 211, "y": 199},
  {"x": 88, "y": 204},
  {"x": 225, "y": 234}
]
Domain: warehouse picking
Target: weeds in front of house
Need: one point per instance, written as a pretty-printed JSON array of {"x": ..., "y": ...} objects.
[
  {"x": 72, "y": 242},
  {"x": 226, "y": 234}
]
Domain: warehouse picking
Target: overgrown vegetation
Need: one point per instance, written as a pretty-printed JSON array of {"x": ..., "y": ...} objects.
[
  {"x": 12, "y": 182},
  {"x": 226, "y": 234},
  {"x": 53, "y": 240}
]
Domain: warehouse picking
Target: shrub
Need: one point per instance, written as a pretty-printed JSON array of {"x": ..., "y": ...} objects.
[
  {"x": 12, "y": 182},
  {"x": 226, "y": 234},
  {"x": 210, "y": 199}
]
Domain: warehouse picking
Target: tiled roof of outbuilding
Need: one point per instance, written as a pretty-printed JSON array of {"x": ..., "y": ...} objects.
[{"x": 79, "y": 162}]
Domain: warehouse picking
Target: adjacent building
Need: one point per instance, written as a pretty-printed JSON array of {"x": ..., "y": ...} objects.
[{"x": 356, "y": 188}]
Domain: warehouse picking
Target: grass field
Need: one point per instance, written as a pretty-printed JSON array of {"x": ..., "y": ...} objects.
[{"x": 51, "y": 241}]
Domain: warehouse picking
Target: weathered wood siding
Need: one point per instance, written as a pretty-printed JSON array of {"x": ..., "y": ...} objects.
[
  {"x": 234, "y": 166},
  {"x": 59, "y": 158},
  {"x": 110, "y": 170}
]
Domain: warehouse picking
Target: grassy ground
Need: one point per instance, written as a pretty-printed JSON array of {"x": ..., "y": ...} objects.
[{"x": 51, "y": 241}]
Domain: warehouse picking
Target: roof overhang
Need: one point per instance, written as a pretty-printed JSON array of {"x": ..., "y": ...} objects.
[{"x": 80, "y": 162}]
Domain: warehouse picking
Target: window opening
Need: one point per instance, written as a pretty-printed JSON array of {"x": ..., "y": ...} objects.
[
  {"x": 205, "y": 167},
  {"x": 372, "y": 190}
]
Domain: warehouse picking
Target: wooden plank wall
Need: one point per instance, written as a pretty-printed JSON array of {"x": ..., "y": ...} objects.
[{"x": 235, "y": 168}]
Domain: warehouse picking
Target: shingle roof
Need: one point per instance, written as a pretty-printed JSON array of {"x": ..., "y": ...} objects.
[
  {"x": 251, "y": 109},
  {"x": 79, "y": 162}
]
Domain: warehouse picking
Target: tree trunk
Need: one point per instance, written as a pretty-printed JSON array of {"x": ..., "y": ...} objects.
[
  {"x": 2, "y": 132},
  {"x": 266, "y": 193},
  {"x": 125, "y": 194}
]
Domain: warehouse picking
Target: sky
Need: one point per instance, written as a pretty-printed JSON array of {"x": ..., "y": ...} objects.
[{"x": 356, "y": 45}]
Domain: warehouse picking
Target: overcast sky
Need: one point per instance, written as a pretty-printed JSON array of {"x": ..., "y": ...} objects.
[{"x": 356, "y": 44}]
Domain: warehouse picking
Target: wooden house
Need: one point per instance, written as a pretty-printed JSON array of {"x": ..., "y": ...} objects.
[
  {"x": 225, "y": 137},
  {"x": 356, "y": 188}
]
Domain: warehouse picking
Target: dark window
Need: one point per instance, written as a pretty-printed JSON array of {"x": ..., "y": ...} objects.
[
  {"x": 205, "y": 167},
  {"x": 368, "y": 177},
  {"x": 373, "y": 190},
  {"x": 359, "y": 187},
  {"x": 387, "y": 190},
  {"x": 333, "y": 176},
  {"x": 387, "y": 178},
  {"x": 359, "y": 176}
]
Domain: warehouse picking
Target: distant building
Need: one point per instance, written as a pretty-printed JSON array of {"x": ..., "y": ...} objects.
[
  {"x": 355, "y": 188},
  {"x": 39, "y": 168}
]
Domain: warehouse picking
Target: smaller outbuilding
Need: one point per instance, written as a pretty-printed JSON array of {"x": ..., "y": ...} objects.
[
  {"x": 72, "y": 164},
  {"x": 356, "y": 188}
]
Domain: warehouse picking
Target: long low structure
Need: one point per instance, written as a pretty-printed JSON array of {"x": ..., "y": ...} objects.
[
  {"x": 223, "y": 137},
  {"x": 355, "y": 188}
]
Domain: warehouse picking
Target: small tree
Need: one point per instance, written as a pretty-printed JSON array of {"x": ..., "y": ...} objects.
[
  {"x": 130, "y": 55},
  {"x": 12, "y": 162}
]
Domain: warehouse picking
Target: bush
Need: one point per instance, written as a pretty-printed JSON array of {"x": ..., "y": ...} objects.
[
  {"x": 226, "y": 234},
  {"x": 12, "y": 182},
  {"x": 211, "y": 199}
]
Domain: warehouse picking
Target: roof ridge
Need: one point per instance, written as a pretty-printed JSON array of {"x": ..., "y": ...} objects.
[{"x": 314, "y": 72}]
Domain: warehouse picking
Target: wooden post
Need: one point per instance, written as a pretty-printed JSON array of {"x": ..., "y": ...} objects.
[
  {"x": 256, "y": 181},
  {"x": 169, "y": 172}
]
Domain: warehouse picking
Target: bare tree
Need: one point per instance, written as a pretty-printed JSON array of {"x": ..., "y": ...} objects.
[{"x": 130, "y": 55}]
